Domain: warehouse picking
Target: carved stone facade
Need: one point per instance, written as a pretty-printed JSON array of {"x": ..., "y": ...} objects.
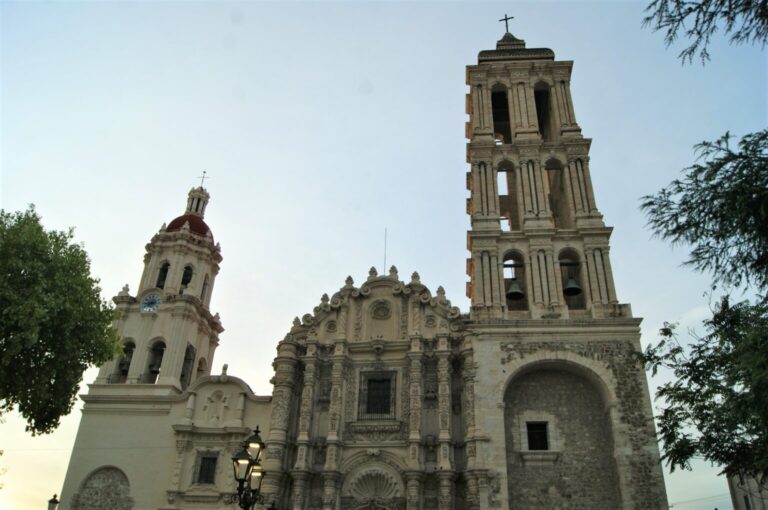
[
  {"x": 532, "y": 400},
  {"x": 386, "y": 396}
]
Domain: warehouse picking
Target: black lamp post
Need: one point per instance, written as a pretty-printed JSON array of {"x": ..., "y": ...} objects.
[
  {"x": 248, "y": 472},
  {"x": 53, "y": 503}
]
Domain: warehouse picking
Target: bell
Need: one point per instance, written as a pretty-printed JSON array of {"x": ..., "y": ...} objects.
[
  {"x": 572, "y": 287},
  {"x": 515, "y": 292}
]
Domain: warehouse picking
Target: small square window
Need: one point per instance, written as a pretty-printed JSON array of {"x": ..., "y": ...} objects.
[
  {"x": 537, "y": 435},
  {"x": 206, "y": 473}
]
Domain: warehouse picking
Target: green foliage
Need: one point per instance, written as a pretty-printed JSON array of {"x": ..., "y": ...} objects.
[
  {"x": 717, "y": 406},
  {"x": 720, "y": 207},
  {"x": 53, "y": 322},
  {"x": 745, "y": 20}
]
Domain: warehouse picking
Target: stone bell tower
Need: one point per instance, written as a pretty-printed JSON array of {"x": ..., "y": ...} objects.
[
  {"x": 561, "y": 414},
  {"x": 539, "y": 247},
  {"x": 169, "y": 335}
]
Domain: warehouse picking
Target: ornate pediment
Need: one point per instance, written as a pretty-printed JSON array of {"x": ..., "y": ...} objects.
[{"x": 382, "y": 308}]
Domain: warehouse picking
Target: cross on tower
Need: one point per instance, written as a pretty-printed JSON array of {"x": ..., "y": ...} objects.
[
  {"x": 203, "y": 178},
  {"x": 506, "y": 19}
]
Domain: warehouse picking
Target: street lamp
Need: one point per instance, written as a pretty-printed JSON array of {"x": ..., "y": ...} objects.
[
  {"x": 248, "y": 472},
  {"x": 53, "y": 503}
]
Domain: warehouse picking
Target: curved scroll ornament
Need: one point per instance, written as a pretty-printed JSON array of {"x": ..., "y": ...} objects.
[{"x": 104, "y": 489}]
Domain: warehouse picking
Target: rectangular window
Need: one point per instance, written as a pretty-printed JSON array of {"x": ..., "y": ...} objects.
[
  {"x": 537, "y": 435},
  {"x": 377, "y": 396},
  {"x": 207, "y": 470}
]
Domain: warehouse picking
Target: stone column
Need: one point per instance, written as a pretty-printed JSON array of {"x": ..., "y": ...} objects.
[
  {"x": 525, "y": 190},
  {"x": 330, "y": 489},
  {"x": 473, "y": 496},
  {"x": 569, "y": 191},
  {"x": 571, "y": 113},
  {"x": 477, "y": 279},
  {"x": 538, "y": 292},
  {"x": 497, "y": 282},
  {"x": 445, "y": 495},
  {"x": 444, "y": 402},
  {"x": 576, "y": 181},
  {"x": 413, "y": 492},
  {"x": 282, "y": 396},
  {"x": 541, "y": 188},
  {"x": 589, "y": 273},
  {"x": 514, "y": 110},
  {"x": 331, "y": 468},
  {"x": 477, "y": 206},
  {"x": 468, "y": 404},
  {"x": 533, "y": 120},
  {"x": 560, "y": 108},
  {"x": 588, "y": 185},
  {"x": 299, "y": 489},
  {"x": 305, "y": 409},
  {"x": 414, "y": 424},
  {"x": 555, "y": 282},
  {"x": 609, "y": 275},
  {"x": 601, "y": 276}
]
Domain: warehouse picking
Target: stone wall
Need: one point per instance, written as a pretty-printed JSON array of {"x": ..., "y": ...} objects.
[{"x": 579, "y": 472}]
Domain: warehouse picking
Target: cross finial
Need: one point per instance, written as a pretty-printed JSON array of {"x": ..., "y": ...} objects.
[
  {"x": 203, "y": 178},
  {"x": 506, "y": 19}
]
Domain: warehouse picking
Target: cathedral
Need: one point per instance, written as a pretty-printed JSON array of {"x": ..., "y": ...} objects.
[{"x": 387, "y": 397}]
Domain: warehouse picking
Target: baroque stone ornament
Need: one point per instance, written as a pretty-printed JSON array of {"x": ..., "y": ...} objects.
[
  {"x": 374, "y": 484},
  {"x": 106, "y": 488},
  {"x": 381, "y": 310}
]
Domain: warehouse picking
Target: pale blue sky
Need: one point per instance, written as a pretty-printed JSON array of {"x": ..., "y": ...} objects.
[{"x": 320, "y": 124}]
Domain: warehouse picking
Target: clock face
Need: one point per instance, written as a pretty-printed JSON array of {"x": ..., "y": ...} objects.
[{"x": 150, "y": 303}]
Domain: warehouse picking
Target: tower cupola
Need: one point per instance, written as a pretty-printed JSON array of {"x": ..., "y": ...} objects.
[{"x": 197, "y": 201}]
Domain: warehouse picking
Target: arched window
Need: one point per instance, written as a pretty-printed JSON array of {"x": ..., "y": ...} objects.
[
  {"x": 186, "y": 277},
  {"x": 124, "y": 363},
  {"x": 558, "y": 203},
  {"x": 162, "y": 275},
  {"x": 541, "y": 95},
  {"x": 508, "y": 205},
  {"x": 514, "y": 282},
  {"x": 500, "y": 109},
  {"x": 186, "y": 368},
  {"x": 573, "y": 288},
  {"x": 154, "y": 362}
]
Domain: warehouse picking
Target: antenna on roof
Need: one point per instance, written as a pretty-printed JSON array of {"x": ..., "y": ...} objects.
[{"x": 384, "y": 268}]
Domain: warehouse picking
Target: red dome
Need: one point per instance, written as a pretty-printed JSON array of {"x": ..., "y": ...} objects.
[{"x": 196, "y": 224}]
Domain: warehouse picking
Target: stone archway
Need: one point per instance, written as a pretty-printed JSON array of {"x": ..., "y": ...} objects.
[
  {"x": 106, "y": 488},
  {"x": 574, "y": 467}
]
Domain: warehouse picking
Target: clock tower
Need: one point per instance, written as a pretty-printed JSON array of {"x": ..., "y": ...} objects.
[{"x": 169, "y": 335}]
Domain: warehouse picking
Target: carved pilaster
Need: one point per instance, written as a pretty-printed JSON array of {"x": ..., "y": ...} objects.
[
  {"x": 330, "y": 490},
  {"x": 473, "y": 496},
  {"x": 413, "y": 489},
  {"x": 445, "y": 495},
  {"x": 305, "y": 409},
  {"x": 414, "y": 427},
  {"x": 444, "y": 402},
  {"x": 300, "y": 488},
  {"x": 337, "y": 383},
  {"x": 282, "y": 397}
]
